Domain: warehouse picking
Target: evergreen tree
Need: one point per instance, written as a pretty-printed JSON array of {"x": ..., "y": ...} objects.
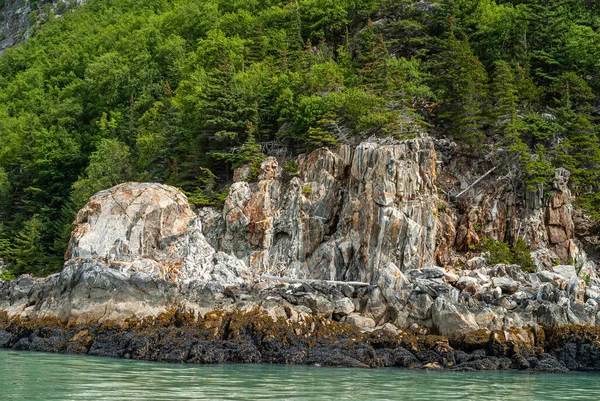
[
  {"x": 168, "y": 90},
  {"x": 250, "y": 154},
  {"x": 159, "y": 139},
  {"x": 505, "y": 112},
  {"x": 579, "y": 147},
  {"x": 109, "y": 165},
  {"x": 224, "y": 115},
  {"x": 375, "y": 66},
  {"x": 5, "y": 196},
  {"x": 505, "y": 97},
  {"x": 463, "y": 83},
  {"x": 24, "y": 252},
  {"x": 256, "y": 49}
]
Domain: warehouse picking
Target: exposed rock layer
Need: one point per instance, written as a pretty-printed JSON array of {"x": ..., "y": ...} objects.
[{"x": 381, "y": 213}]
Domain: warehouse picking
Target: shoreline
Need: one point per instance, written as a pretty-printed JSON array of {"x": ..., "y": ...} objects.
[
  {"x": 281, "y": 365},
  {"x": 252, "y": 337}
]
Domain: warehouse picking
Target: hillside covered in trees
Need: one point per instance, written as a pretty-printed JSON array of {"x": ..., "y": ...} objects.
[{"x": 185, "y": 91}]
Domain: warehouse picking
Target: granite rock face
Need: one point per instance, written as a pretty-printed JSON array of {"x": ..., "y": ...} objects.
[
  {"x": 150, "y": 229},
  {"x": 85, "y": 291},
  {"x": 130, "y": 219},
  {"x": 385, "y": 213},
  {"x": 364, "y": 214}
]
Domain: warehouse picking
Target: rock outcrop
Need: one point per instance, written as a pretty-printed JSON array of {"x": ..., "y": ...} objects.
[
  {"x": 361, "y": 214},
  {"x": 384, "y": 213},
  {"x": 150, "y": 229}
]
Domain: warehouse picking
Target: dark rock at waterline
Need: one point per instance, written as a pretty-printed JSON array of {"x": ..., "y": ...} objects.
[
  {"x": 405, "y": 359},
  {"x": 5, "y": 338},
  {"x": 577, "y": 356},
  {"x": 251, "y": 338},
  {"x": 550, "y": 364}
]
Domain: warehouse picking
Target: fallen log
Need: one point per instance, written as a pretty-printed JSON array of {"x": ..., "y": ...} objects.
[
  {"x": 312, "y": 281},
  {"x": 476, "y": 182}
]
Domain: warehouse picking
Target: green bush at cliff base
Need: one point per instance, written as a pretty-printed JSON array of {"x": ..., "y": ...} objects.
[
  {"x": 7, "y": 275},
  {"x": 498, "y": 252}
]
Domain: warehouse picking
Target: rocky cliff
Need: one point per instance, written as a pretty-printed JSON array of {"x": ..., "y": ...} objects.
[{"x": 385, "y": 213}]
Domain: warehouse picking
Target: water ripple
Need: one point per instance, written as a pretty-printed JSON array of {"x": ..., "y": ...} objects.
[{"x": 34, "y": 376}]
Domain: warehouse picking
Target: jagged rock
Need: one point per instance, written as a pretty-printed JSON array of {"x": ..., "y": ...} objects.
[
  {"x": 89, "y": 291},
  {"x": 422, "y": 307},
  {"x": 376, "y": 200},
  {"x": 576, "y": 289},
  {"x": 369, "y": 213},
  {"x": 150, "y": 228},
  {"x": 129, "y": 219},
  {"x": 544, "y": 259},
  {"x": 343, "y": 307},
  {"x": 427, "y": 273},
  {"x": 558, "y": 218},
  {"x": 546, "y": 276},
  {"x": 592, "y": 293},
  {"x": 452, "y": 319},
  {"x": 406, "y": 359},
  {"x": 360, "y": 321},
  {"x": 507, "y": 284},
  {"x": 476, "y": 263},
  {"x": 552, "y": 315},
  {"x": 451, "y": 277},
  {"x": 566, "y": 271},
  {"x": 466, "y": 281},
  {"x": 390, "y": 328},
  {"x": 549, "y": 363},
  {"x": 318, "y": 304}
]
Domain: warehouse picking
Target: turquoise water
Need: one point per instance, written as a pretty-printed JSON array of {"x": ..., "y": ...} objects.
[{"x": 34, "y": 376}]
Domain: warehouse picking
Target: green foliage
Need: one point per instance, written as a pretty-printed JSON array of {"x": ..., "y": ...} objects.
[
  {"x": 499, "y": 252},
  {"x": 25, "y": 253},
  {"x": 291, "y": 168},
  {"x": 109, "y": 165},
  {"x": 207, "y": 197},
  {"x": 7, "y": 275},
  {"x": 462, "y": 80},
  {"x": 522, "y": 256},
  {"x": 307, "y": 190},
  {"x": 184, "y": 91},
  {"x": 5, "y": 187},
  {"x": 250, "y": 155}
]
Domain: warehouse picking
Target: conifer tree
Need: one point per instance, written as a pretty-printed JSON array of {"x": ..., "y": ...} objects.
[
  {"x": 505, "y": 112},
  {"x": 250, "y": 153},
  {"x": 24, "y": 252},
  {"x": 579, "y": 148},
  {"x": 463, "y": 82},
  {"x": 256, "y": 50},
  {"x": 505, "y": 96},
  {"x": 375, "y": 64}
]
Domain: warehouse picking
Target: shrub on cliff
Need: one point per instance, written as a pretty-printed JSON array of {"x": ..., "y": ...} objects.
[{"x": 498, "y": 252}]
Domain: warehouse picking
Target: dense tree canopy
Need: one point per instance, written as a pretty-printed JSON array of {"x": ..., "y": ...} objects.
[{"x": 183, "y": 91}]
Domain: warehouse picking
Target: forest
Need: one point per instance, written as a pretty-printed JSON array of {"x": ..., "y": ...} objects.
[{"x": 185, "y": 91}]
